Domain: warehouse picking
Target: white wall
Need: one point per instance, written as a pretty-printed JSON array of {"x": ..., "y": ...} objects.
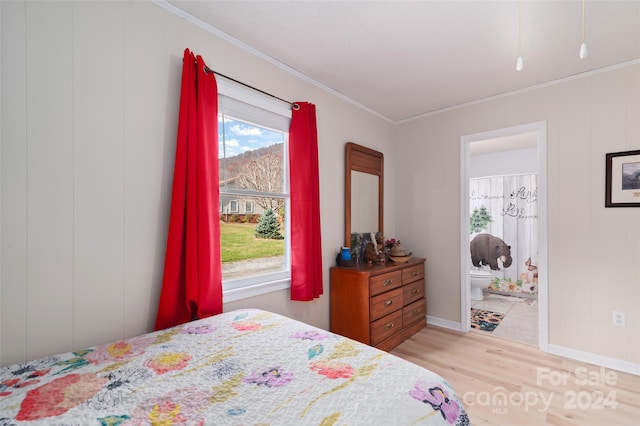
[
  {"x": 593, "y": 251},
  {"x": 89, "y": 99}
]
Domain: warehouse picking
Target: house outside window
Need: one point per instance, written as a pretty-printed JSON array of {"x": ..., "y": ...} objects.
[{"x": 253, "y": 133}]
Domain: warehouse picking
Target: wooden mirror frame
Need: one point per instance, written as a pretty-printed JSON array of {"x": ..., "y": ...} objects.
[{"x": 366, "y": 160}]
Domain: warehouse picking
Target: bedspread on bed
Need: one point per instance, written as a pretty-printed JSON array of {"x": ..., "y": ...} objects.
[{"x": 241, "y": 367}]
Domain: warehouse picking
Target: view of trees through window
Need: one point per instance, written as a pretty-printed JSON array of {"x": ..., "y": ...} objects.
[{"x": 252, "y": 199}]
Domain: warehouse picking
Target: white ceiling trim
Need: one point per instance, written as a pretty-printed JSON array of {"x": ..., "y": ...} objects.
[
  {"x": 525, "y": 90},
  {"x": 221, "y": 34},
  {"x": 217, "y": 32}
]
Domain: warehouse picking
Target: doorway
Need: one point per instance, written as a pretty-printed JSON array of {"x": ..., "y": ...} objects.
[{"x": 528, "y": 137}]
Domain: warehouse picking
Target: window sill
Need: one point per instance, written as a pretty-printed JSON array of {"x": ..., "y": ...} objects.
[{"x": 258, "y": 289}]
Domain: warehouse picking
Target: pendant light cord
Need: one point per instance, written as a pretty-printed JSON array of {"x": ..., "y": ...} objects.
[
  {"x": 583, "y": 25},
  {"x": 519, "y": 64},
  {"x": 520, "y": 28},
  {"x": 583, "y": 47}
]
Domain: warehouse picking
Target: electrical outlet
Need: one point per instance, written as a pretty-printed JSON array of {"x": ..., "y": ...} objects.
[{"x": 618, "y": 318}]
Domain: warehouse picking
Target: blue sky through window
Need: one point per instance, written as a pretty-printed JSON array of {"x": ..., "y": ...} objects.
[{"x": 237, "y": 137}]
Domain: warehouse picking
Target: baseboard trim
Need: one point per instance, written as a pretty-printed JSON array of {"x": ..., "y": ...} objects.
[
  {"x": 603, "y": 361},
  {"x": 600, "y": 360},
  {"x": 453, "y": 325}
]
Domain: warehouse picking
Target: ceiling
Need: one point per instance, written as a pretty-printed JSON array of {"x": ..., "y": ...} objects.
[{"x": 404, "y": 59}]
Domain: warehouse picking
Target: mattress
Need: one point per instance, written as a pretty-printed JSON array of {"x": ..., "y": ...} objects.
[{"x": 245, "y": 367}]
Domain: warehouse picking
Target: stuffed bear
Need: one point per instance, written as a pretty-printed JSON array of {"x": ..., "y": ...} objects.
[
  {"x": 374, "y": 251},
  {"x": 487, "y": 249},
  {"x": 370, "y": 254}
]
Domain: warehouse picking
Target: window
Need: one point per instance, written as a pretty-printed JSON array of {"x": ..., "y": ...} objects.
[{"x": 253, "y": 133}]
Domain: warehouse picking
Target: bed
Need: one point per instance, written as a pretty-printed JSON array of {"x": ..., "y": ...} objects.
[{"x": 244, "y": 367}]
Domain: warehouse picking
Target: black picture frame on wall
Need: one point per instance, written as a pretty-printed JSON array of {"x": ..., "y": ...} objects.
[{"x": 622, "y": 179}]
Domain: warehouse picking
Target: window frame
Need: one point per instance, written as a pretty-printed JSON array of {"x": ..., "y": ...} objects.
[{"x": 241, "y": 288}]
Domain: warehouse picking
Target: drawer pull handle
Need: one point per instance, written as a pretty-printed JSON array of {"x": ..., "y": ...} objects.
[
  {"x": 416, "y": 311},
  {"x": 415, "y": 291},
  {"x": 388, "y": 326},
  {"x": 388, "y": 303},
  {"x": 387, "y": 282},
  {"x": 414, "y": 273}
]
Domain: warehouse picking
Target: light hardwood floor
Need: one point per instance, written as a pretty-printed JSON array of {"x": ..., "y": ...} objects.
[{"x": 502, "y": 382}]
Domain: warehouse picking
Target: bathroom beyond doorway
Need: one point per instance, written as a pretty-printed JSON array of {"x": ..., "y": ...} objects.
[
  {"x": 494, "y": 141},
  {"x": 519, "y": 317}
]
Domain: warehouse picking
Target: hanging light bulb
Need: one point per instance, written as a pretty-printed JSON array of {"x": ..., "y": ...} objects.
[
  {"x": 583, "y": 47},
  {"x": 519, "y": 63},
  {"x": 583, "y": 51}
]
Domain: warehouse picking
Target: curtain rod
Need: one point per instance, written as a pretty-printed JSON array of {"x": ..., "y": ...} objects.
[{"x": 293, "y": 104}]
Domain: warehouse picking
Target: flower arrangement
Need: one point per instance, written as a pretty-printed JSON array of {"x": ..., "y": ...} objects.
[{"x": 388, "y": 244}]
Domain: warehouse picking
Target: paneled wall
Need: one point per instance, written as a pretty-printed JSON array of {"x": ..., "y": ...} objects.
[
  {"x": 593, "y": 251},
  {"x": 87, "y": 155},
  {"x": 89, "y": 110}
]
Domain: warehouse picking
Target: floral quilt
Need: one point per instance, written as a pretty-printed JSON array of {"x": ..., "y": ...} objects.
[{"x": 248, "y": 367}]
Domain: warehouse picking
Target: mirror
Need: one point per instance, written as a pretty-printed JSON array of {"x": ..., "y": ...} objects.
[
  {"x": 364, "y": 202},
  {"x": 364, "y": 182}
]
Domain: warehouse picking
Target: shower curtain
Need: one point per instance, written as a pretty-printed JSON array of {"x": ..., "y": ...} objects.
[{"x": 511, "y": 201}]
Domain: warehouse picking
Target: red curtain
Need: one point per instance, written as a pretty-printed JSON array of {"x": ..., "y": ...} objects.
[
  {"x": 192, "y": 281},
  {"x": 306, "y": 245}
]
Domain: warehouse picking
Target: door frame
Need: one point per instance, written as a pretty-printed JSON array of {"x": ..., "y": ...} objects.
[{"x": 540, "y": 129}]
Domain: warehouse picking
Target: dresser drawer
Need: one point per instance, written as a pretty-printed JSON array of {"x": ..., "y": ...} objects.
[
  {"x": 413, "y": 273},
  {"x": 414, "y": 312},
  {"x": 386, "y": 327},
  {"x": 412, "y": 292},
  {"x": 385, "y": 303},
  {"x": 385, "y": 282}
]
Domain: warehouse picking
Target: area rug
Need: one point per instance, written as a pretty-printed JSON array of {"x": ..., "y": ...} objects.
[{"x": 485, "y": 320}]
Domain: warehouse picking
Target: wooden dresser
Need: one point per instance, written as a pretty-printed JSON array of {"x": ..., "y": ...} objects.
[{"x": 380, "y": 305}]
